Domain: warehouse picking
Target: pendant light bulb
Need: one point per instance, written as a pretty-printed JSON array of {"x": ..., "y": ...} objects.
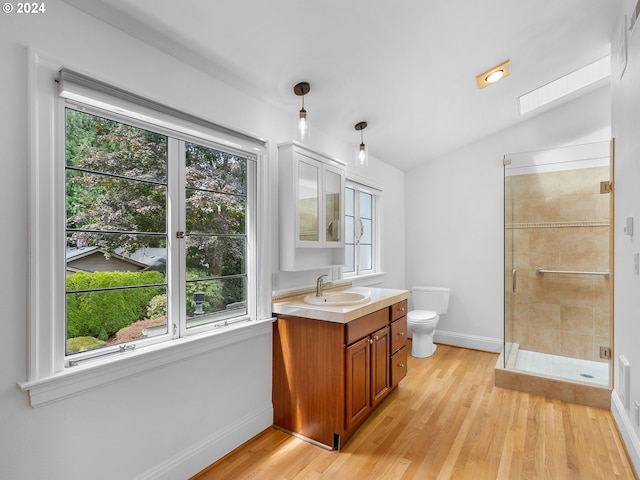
[
  {"x": 362, "y": 154},
  {"x": 302, "y": 123},
  {"x": 303, "y": 126}
]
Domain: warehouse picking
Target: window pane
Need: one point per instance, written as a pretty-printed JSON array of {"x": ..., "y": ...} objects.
[
  {"x": 366, "y": 257},
  {"x": 102, "y": 202},
  {"x": 216, "y": 171},
  {"x": 349, "y": 230},
  {"x": 211, "y": 256},
  {"x": 209, "y": 212},
  {"x": 117, "y": 315},
  {"x": 349, "y": 201},
  {"x": 350, "y": 263},
  {"x": 210, "y": 301},
  {"x": 105, "y": 146},
  {"x": 367, "y": 231},
  {"x": 216, "y": 241},
  {"x": 366, "y": 205},
  {"x": 116, "y": 221},
  {"x": 89, "y": 251}
]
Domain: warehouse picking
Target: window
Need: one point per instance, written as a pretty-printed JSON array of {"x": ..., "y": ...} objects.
[
  {"x": 361, "y": 228},
  {"x": 142, "y": 238},
  {"x": 120, "y": 264}
]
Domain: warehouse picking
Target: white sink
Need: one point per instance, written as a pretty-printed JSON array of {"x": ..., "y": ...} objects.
[{"x": 336, "y": 299}]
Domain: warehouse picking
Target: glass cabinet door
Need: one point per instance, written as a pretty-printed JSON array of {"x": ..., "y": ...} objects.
[
  {"x": 332, "y": 206},
  {"x": 308, "y": 202}
]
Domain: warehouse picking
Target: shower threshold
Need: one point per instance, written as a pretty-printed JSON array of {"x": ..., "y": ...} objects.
[{"x": 554, "y": 376}]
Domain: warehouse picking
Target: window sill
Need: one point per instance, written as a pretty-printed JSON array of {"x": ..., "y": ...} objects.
[
  {"x": 367, "y": 280},
  {"x": 75, "y": 380}
]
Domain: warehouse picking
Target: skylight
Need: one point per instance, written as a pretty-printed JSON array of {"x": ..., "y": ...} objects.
[{"x": 566, "y": 85}]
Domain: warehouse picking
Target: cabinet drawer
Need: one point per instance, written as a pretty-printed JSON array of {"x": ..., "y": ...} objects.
[
  {"x": 399, "y": 310},
  {"x": 398, "y": 334},
  {"x": 363, "y": 326},
  {"x": 398, "y": 366}
]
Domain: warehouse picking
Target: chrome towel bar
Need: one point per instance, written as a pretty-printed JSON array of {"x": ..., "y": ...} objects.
[{"x": 542, "y": 271}]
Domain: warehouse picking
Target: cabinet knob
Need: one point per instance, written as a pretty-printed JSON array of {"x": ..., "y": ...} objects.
[
  {"x": 401, "y": 365},
  {"x": 375, "y": 337},
  {"x": 401, "y": 334},
  {"x": 402, "y": 309},
  {"x": 371, "y": 340}
]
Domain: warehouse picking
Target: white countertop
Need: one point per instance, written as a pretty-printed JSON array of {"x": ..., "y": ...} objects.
[{"x": 378, "y": 298}]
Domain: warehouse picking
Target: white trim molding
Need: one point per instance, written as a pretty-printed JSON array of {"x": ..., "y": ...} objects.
[
  {"x": 199, "y": 456},
  {"x": 627, "y": 432},
  {"x": 474, "y": 342},
  {"x": 91, "y": 375}
]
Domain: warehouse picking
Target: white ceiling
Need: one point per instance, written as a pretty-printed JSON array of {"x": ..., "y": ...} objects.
[{"x": 407, "y": 67}]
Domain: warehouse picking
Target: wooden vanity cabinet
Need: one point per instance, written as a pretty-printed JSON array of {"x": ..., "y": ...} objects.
[
  {"x": 398, "y": 342},
  {"x": 367, "y": 375},
  {"x": 328, "y": 376}
]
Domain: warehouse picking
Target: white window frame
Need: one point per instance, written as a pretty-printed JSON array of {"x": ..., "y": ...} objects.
[
  {"x": 366, "y": 185},
  {"x": 48, "y": 378}
]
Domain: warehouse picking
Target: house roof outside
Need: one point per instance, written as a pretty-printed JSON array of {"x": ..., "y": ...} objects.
[{"x": 143, "y": 258}]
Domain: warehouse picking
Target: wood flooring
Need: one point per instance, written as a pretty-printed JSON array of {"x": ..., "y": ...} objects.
[{"x": 447, "y": 420}]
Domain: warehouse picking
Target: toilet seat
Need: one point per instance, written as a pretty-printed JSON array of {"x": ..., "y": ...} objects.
[{"x": 421, "y": 316}]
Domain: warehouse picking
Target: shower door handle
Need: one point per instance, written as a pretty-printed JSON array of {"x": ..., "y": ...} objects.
[{"x": 514, "y": 276}]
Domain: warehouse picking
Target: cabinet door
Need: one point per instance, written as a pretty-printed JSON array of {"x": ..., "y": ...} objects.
[
  {"x": 308, "y": 202},
  {"x": 380, "y": 364},
  {"x": 333, "y": 188},
  {"x": 398, "y": 334},
  {"x": 398, "y": 366},
  {"x": 358, "y": 381}
]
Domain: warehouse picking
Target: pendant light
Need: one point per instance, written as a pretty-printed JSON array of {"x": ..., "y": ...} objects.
[
  {"x": 302, "y": 123},
  {"x": 362, "y": 154}
]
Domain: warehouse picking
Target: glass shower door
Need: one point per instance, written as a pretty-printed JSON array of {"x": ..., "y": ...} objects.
[{"x": 557, "y": 263}]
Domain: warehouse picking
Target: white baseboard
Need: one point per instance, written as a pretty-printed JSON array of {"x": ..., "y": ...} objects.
[
  {"x": 202, "y": 454},
  {"x": 628, "y": 433},
  {"x": 474, "y": 342}
]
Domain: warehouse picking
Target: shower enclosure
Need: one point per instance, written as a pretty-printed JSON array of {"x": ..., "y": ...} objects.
[{"x": 558, "y": 206}]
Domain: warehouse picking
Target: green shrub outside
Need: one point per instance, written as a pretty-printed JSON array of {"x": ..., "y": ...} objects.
[
  {"x": 157, "y": 306},
  {"x": 213, "y": 296},
  {"x": 81, "y": 344},
  {"x": 101, "y": 314}
]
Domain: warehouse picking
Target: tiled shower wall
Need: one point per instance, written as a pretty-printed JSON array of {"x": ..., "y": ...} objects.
[{"x": 558, "y": 221}]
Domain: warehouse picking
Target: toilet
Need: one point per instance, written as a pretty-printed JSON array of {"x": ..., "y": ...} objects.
[{"x": 429, "y": 303}]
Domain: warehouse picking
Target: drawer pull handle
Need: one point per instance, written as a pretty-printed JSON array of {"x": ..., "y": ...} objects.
[{"x": 402, "y": 309}]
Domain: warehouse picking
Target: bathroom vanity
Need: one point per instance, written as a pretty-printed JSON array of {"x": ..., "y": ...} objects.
[{"x": 332, "y": 365}]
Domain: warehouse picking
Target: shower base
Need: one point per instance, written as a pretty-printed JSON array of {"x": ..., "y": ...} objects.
[{"x": 576, "y": 381}]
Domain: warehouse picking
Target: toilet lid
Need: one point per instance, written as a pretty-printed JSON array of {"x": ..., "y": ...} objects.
[{"x": 421, "y": 315}]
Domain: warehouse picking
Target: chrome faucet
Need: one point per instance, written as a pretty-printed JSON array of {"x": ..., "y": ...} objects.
[{"x": 319, "y": 285}]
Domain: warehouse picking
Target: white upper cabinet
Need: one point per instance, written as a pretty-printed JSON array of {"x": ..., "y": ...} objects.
[{"x": 311, "y": 208}]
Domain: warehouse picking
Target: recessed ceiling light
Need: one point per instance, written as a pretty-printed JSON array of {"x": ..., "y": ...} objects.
[{"x": 493, "y": 74}]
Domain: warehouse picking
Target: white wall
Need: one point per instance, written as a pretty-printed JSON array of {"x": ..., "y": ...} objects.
[
  {"x": 625, "y": 122},
  {"x": 173, "y": 421},
  {"x": 454, "y": 216}
]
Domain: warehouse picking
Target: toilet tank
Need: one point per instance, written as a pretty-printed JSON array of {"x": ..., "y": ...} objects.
[{"x": 435, "y": 299}]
